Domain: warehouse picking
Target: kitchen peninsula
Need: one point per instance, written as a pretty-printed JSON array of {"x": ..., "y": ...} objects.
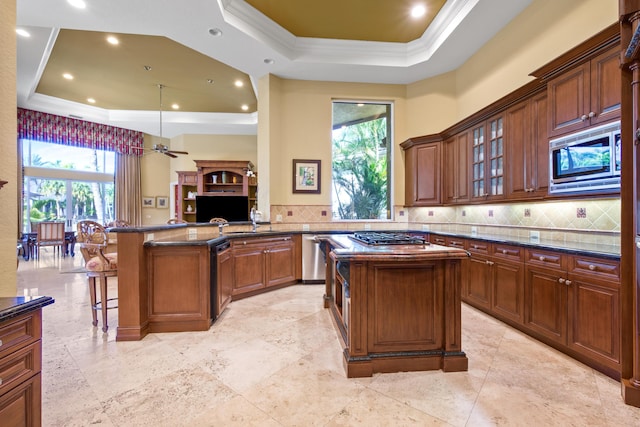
[{"x": 396, "y": 302}]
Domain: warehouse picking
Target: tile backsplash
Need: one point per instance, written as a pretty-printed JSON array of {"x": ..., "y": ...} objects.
[{"x": 589, "y": 221}]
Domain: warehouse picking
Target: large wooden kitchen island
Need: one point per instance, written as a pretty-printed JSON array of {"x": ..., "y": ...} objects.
[{"x": 396, "y": 306}]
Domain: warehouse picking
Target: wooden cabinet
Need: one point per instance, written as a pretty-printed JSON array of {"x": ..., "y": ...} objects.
[
  {"x": 179, "y": 288},
  {"x": 456, "y": 169},
  {"x": 186, "y": 195},
  {"x": 260, "y": 263},
  {"x": 527, "y": 149},
  {"x": 495, "y": 279},
  {"x": 223, "y": 177},
  {"x": 586, "y": 95},
  {"x": 224, "y": 279},
  {"x": 20, "y": 367},
  {"x": 487, "y": 160},
  {"x": 422, "y": 172}
]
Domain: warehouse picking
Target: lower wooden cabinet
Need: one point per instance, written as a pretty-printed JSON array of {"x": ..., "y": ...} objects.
[
  {"x": 260, "y": 263},
  {"x": 569, "y": 301},
  {"x": 20, "y": 366}
]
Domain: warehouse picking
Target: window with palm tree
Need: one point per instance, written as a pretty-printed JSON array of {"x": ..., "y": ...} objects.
[
  {"x": 361, "y": 166},
  {"x": 66, "y": 183}
]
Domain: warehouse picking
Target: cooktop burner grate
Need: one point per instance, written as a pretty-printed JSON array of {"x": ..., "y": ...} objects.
[{"x": 385, "y": 238}]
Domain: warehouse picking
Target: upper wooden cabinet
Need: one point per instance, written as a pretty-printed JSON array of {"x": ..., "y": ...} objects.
[
  {"x": 487, "y": 159},
  {"x": 186, "y": 195},
  {"x": 222, "y": 177},
  {"x": 586, "y": 95},
  {"x": 422, "y": 171},
  {"x": 456, "y": 169},
  {"x": 528, "y": 149}
]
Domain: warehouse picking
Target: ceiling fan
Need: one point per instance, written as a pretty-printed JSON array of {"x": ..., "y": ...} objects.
[{"x": 161, "y": 148}]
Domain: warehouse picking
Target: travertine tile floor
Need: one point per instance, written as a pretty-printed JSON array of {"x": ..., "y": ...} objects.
[{"x": 275, "y": 360}]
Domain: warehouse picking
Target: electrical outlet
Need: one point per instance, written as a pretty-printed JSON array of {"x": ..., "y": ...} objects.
[
  {"x": 278, "y": 218},
  {"x": 367, "y": 226},
  {"x": 425, "y": 227},
  {"x": 192, "y": 234},
  {"x": 534, "y": 236},
  {"x": 148, "y": 237},
  {"x": 305, "y": 227},
  {"x": 474, "y": 230}
]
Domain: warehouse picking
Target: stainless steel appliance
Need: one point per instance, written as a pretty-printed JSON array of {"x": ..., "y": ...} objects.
[
  {"x": 586, "y": 161},
  {"x": 313, "y": 262}
]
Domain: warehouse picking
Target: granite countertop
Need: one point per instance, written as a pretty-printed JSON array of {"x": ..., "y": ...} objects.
[
  {"x": 594, "y": 249},
  {"x": 345, "y": 248},
  {"x": 15, "y": 306}
]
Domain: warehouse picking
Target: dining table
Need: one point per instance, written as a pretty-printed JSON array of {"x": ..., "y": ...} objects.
[{"x": 29, "y": 244}]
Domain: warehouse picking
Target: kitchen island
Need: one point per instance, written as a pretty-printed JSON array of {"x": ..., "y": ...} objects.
[{"x": 396, "y": 305}]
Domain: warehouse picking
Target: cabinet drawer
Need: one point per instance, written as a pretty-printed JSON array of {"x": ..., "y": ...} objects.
[
  {"x": 501, "y": 250},
  {"x": 438, "y": 240},
  {"x": 20, "y": 331},
  {"x": 596, "y": 267},
  {"x": 479, "y": 247},
  {"x": 456, "y": 243},
  {"x": 252, "y": 241},
  {"x": 544, "y": 258},
  {"x": 20, "y": 365}
]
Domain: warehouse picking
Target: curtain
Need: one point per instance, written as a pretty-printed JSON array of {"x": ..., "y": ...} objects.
[
  {"x": 128, "y": 189},
  {"x": 39, "y": 126}
]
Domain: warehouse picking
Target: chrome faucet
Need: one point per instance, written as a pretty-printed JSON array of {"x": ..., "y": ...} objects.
[
  {"x": 253, "y": 215},
  {"x": 221, "y": 226}
]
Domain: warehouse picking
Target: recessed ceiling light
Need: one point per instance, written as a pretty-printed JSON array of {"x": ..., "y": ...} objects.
[
  {"x": 147, "y": 67},
  {"x": 80, "y": 4},
  {"x": 175, "y": 106},
  {"x": 215, "y": 32},
  {"x": 418, "y": 11},
  {"x": 239, "y": 83},
  {"x": 269, "y": 61},
  {"x": 22, "y": 33},
  {"x": 68, "y": 76},
  {"x": 113, "y": 40},
  {"x": 244, "y": 107},
  {"x": 91, "y": 100},
  {"x": 210, "y": 81}
]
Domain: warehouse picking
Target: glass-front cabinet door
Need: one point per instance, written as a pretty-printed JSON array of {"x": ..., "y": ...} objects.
[{"x": 487, "y": 161}]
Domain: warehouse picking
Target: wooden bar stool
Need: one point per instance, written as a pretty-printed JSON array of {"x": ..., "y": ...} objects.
[{"x": 99, "y": 265}]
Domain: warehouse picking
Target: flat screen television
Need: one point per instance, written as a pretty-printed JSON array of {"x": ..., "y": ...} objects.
[{"x": 231, "y": 208}]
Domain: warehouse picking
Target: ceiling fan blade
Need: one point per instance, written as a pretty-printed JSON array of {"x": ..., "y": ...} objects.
[
  {"x": 170, "y": 154},
  {"x": 177, "y": 152}
]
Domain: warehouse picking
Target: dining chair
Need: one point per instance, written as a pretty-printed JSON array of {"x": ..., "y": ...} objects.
[
  {"x": 118, "y": 223},
  {"x": 50, "y": 233},
  {"x": 99, "y": 266}
]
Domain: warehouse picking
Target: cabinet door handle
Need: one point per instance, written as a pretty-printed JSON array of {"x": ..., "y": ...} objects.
[
  {"x": 541, "y": 258},
  {"x": 567, "y": 282},
  {"x": 504, "y": 252},
  {"x": 583, "y": 117},
  {"x": 592, "y": 267},
  {"x": 244, "y": 243},
  {"x": 0, "y": 343},
  {"x": 592, "y": 114},
  {"x": 561, "y": 280}
]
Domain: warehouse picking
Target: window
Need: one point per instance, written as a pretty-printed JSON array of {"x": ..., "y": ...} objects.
[
  {"x": 361, "y": 163},
  {"x": 66, "y": 183}
]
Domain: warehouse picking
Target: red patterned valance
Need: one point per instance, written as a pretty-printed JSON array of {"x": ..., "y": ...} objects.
[{"x": 39, "y": 126}]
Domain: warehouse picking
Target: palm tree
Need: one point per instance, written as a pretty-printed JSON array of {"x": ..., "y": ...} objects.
[{"x": 360, "y": 170}]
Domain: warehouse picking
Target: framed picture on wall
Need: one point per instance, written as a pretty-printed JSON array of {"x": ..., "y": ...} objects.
[
  {"x": 148, "y": 202},
  {"x": 306, "y": 176},
  {"x": 162, "y": 202}
]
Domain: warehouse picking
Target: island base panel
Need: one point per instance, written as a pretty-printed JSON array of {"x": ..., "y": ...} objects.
[{"x": 366, "y": 367}]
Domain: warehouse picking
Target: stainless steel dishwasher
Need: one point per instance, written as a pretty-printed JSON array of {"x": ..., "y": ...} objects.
[{"x": 313, "y": 264}]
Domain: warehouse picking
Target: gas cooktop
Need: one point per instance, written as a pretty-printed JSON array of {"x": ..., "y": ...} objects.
[{"x": 386, "y": 238}]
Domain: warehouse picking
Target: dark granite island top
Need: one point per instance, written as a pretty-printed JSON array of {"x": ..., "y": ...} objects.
[
  {"x": 15, "y": 306},
  {"x": 396, "y": 307}
]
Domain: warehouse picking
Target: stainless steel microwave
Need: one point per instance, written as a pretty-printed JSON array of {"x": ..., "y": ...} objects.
[{"x": 585, "y": 161}]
